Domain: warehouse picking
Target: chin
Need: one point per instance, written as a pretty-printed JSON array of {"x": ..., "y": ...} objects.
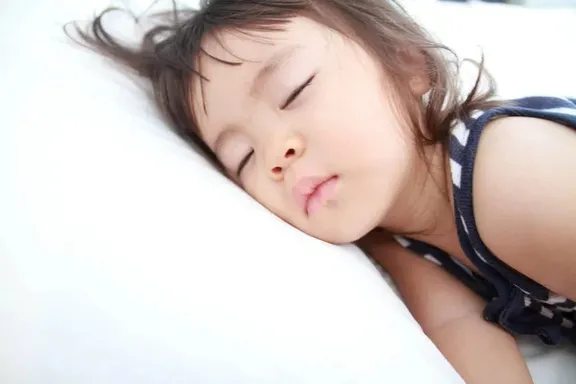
[
  {"x": 343, "y": 223},
  {"x": 346, "y": 232}
]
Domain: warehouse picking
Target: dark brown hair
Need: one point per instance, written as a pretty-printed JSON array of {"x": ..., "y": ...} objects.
[{"x": 168, "y": 51}]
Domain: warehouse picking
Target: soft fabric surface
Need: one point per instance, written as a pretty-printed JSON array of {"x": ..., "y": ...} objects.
[{"x": 126, "y": 259}]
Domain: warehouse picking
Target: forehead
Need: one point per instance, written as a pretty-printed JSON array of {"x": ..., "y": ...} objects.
[
  {"x": 255, "y": 46},
  {"x": 226, "y": 84}
]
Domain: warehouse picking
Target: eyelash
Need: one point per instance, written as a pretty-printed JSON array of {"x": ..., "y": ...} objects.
[
  {"x": 293, "y": 96},
  {"x": 243, "y": 163}
]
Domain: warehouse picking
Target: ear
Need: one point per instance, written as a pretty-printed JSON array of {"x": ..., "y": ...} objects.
[
  {"x": 417, "y": 70},
  {"x": 419, "y": 85}
]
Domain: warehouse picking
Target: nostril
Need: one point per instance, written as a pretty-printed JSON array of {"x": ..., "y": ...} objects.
[
  {"x": 289, "y": 153},
  {"x": 276, "y": 170}
]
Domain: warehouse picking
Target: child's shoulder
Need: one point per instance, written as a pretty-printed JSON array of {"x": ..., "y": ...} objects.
[
  {"x": 522, "y": 181},
  {"x": 522, "y": 136},
  {"x": 525, "y": 145},
  {"x": 496, "y": 123},
  {"x": 497, "y": 145}
]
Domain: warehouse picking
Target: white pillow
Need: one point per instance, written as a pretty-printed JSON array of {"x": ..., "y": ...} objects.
[{"x": 126, "y": 259}]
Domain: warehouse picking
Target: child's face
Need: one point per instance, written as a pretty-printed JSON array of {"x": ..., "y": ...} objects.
[{"x": 342, "y": 127}]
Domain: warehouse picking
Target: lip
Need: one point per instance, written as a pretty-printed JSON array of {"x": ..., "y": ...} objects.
[{"x": 312, "y": 193}]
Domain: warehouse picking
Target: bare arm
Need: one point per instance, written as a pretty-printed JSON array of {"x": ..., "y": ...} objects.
[
  {"x": 451, "y": 315},
  {"x": 525, "y": 198}
]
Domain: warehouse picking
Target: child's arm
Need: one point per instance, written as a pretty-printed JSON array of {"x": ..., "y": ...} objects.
[
  {"x": 525, "y": 198},
  {"x": 451, "y": 315}
]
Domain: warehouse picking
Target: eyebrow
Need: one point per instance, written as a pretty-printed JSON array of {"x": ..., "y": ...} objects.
[{"x": 272, "y": 65}]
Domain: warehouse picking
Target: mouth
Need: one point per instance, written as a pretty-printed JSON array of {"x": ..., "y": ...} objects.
[{"x": 311, "y": 194}]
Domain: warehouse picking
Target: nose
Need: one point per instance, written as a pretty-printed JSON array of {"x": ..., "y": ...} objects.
[{"x": 283, "y": 154}]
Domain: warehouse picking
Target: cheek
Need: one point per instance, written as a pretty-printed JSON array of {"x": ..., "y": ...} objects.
[{"x": 352, "y": 131}]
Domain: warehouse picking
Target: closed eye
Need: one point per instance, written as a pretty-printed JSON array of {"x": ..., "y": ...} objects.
[
  {"x": 294, "y": 95},
  {"x": 243, "y": 163}
]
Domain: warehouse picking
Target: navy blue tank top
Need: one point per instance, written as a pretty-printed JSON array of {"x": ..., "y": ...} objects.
[{"x": 519, "y": 304}]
